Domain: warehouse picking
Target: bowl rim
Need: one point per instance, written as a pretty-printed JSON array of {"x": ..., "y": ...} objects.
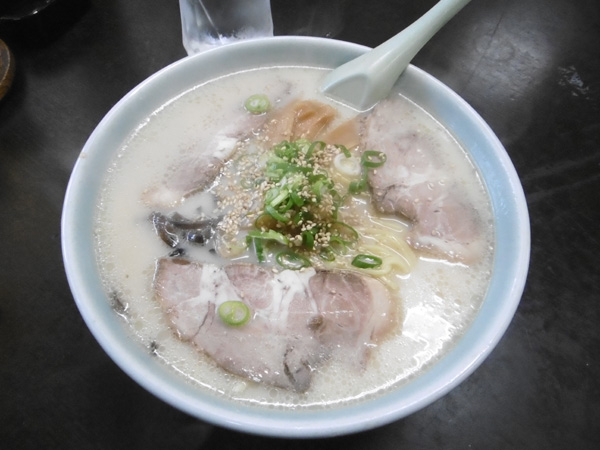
[{"x": 468, "y": 353}]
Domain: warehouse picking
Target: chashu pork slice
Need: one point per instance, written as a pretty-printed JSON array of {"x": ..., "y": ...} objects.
[
  {"x": 414, "y": 183},
  {"x": 200, "y": 166},
  {"x": 298, "y": 320}
]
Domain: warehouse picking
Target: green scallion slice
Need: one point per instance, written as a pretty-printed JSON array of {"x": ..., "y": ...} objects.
[
  {"x": 270, "y": 235},
  {"x": 234, "y": 313},
  {"x": 344, "y": 150},
  {"x": 346, "y": 233},
  {"x": 363, "y": 261},
  {"x": 356, "y": 187},
  {"x": 337, "y": 245},
  {"x": 298, "y": 201},
  {"x": 308, "y": 239},
  {"x": 264, "y": 221},
  {"x": 258, "y": 248},
  {"x": 372, "y": 159},
  {"x": 291, "y": 260},
  {"x": 327, "y": 254},
  {"x": 311, "y": 149},
  {"x": 257, "y": 104},
  {"x": 275, "y": 214}
]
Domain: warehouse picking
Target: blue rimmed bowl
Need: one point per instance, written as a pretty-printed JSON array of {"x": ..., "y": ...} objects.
[{"x": 503, "y": 296}]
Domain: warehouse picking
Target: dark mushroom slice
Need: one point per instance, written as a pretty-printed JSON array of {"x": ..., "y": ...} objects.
[{"x": 176, "y": 229}]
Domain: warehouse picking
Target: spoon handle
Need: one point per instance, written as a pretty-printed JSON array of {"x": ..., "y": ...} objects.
[
  {"x": 402, "y": 48},
  {"x": 372, "y": 75}
]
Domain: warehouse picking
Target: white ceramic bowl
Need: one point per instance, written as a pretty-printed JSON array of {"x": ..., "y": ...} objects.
[{"x": 509, "y": 273}]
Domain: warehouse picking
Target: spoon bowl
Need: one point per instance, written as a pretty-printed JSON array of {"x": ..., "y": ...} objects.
[{"x": 363, "y": 81}]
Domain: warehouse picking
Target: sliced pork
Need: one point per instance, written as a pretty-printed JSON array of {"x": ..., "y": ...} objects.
[
  {"x": 354, "y": 312},
  {"x": 299, "y": 319},
  {"x": 414, "y": 183},
  {"x": 196, "y": 171}
]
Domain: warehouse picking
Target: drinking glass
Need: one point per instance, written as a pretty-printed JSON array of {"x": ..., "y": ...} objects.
[{"x": 210, "y": 23}]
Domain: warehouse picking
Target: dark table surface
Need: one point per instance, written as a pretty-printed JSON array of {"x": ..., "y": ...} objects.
[{"x": 531, "y": 68}]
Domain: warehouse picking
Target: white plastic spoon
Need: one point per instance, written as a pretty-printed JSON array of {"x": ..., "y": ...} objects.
[{"x": 362, "y": 82}]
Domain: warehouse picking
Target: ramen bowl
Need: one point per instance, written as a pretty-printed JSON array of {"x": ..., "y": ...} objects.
[{"x": 512, "y": 243}]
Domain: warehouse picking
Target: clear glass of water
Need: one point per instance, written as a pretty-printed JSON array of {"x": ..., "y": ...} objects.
[{"x": 210, "y": 23}]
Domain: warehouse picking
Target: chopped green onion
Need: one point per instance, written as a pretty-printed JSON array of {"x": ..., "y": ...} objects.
[
  {"x": 318, "y": 188},
  {"x": 291, "y": 260},
  {"x": 302, "y": 202},
  {"x": 298, "y": 217},
  {"x": 258, "y": 248},
  {"x": 280, "y": 196},
  {"x": 287, "y": 206},
  {"x": 301, "y": 216},
  {"x": 275, "y": 214},
  {"x": 327, "y": 254},
  {"x": 344, "y": 150},
  {"x": 282, "y": 149},
  {"x": 270, "y": 235},
  {"x": 234, "y": 313},
  {"x": 344, "y": 232},
  {"x": 337, "y": 245},
  {"x": 257, "y": 104},
  {"x": 256, "y": 238},
  {"x": 298, "y": 201},
  {"x": 301, "y": 146},
  {"x": 372, "y": 159},
  {"x": 356, "y": 187},
  {"x": 363, "y": 261},
  {"x": 264, "y": 221},
  {"x": 308, "y": 239},
  {"x": 311, "y": 149}
]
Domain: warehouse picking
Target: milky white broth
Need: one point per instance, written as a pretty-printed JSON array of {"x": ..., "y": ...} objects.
[{"x": 438, "y": 299}]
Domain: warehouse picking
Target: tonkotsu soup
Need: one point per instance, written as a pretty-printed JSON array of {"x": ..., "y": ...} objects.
[{"x": 278, "y": 249}]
